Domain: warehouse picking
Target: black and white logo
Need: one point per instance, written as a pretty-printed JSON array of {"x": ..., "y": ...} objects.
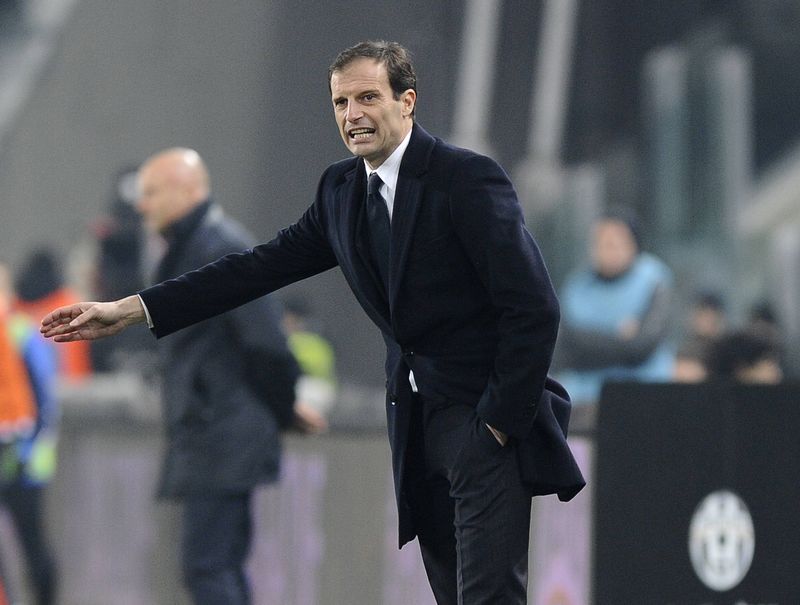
[{"x": 721, "y": 540}]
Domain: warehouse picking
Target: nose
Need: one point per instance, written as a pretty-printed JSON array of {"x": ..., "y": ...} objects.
[{"x": 354, "y": 112}]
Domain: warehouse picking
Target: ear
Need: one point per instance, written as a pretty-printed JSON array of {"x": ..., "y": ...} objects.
[{"x": 409, "y": 101}]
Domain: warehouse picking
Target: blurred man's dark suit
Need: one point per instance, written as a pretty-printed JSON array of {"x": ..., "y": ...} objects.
[
  {"x": 228, "y": 387},
  {"x": 469, "y": 308}
]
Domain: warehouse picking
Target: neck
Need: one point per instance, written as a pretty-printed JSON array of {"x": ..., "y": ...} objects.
[{"x": 373, "y": 167}]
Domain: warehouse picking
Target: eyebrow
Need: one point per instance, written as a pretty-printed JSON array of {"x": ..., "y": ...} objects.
[{"x": 369, "y": 91}]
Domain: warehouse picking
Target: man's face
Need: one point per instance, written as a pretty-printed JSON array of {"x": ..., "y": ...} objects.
[
  {"x": 371, "y": 121},
  {"x": 159, "y": 197},
  {"x": 707, "y": 322},
  {"x": 613, "y": 248}
]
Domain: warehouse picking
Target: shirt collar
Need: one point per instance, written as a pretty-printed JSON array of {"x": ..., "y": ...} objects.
[{"x": 390, "y": 169}]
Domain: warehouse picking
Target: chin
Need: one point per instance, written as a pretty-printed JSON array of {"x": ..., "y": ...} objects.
[{"x": 364, "y": 154}]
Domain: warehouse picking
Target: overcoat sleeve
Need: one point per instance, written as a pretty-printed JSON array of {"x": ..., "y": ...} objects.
[
  {"x": 297, "y": 252},
  {"x": 489, "y": 222}
]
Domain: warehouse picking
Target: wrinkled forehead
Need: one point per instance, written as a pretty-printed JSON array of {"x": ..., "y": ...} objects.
[{"x": 359, "y": 75}]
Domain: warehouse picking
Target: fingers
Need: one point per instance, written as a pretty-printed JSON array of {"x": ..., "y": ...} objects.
[
  {"x": 53, "y": 330},
  {"x": 69, "y": 337},
  {"x": 71, "y": 333},
  {"x": 63, "y": 323},
  {"x": 53, "y": 319},
  {"x": 81, "y": 319},
  {"x": 61, "y": 315}
]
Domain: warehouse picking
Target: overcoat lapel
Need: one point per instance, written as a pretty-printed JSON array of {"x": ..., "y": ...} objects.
[
  {"x": 407, "y": 201},
  {"x": 365, "y": 280}
]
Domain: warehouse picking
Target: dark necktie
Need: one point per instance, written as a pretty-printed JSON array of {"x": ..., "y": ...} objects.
[{"x": 379, "y": 227}]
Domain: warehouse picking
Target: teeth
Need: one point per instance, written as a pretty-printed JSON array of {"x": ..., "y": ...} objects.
[{"x": 361, "y": 133}]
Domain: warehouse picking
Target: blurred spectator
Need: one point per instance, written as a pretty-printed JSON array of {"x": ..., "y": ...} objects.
[
  {"x": 762, "y": 319},
  {"x": 707, "y": 322},
  {"x": 120, "y": 239},
  {"x": 228, "y": 386},
  {"x": 121, "y": 255},
  {"x": 707, "y": 316},
  {"x": 17, "y": 406},
  {"x": 40, "y": 286},
  {"x": 746, "y": 356},
  {"x": 316, "y": 386},
  {"x": 27, "y": 373},
  {"x": 614, "y": 313}
]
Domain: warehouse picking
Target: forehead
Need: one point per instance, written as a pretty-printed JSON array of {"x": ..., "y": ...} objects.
[
  {"x": 612, "y": 229},
  {"x": 154, "y": 172},
  {"x": 358, "y": 75}
]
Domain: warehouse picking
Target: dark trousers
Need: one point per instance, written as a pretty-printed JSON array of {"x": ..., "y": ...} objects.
[
  {"x": 471, "y": 510},
  {"x": 216, "y": 541},
  {"x": 25, "y": 503}
]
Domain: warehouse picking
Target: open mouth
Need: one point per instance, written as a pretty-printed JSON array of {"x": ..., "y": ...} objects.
[{"x": 359, "y": 134}]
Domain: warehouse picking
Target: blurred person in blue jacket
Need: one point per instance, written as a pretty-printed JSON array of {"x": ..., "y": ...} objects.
[
  {"x": 28, "y": 462},
  {"x": 615, "y": 313}
]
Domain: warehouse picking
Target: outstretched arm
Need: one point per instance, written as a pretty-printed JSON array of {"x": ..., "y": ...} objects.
[{"x": 92, "y": 320}]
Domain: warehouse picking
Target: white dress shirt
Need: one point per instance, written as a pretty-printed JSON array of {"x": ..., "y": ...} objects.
[{"x": 389, "y": 172}]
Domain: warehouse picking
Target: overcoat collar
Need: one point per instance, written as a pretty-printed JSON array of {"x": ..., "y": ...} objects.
[
  {"x": 408, "y": 198},
  {"x": 407, "y": 201}
]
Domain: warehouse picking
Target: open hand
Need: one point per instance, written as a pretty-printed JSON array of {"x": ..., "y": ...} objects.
[{"x": 92, "y": 320}]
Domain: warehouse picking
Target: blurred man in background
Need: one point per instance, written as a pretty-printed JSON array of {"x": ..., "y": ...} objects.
[
  {"x": 228, "y": 386},
  {"x": 123, "y": 258}
]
